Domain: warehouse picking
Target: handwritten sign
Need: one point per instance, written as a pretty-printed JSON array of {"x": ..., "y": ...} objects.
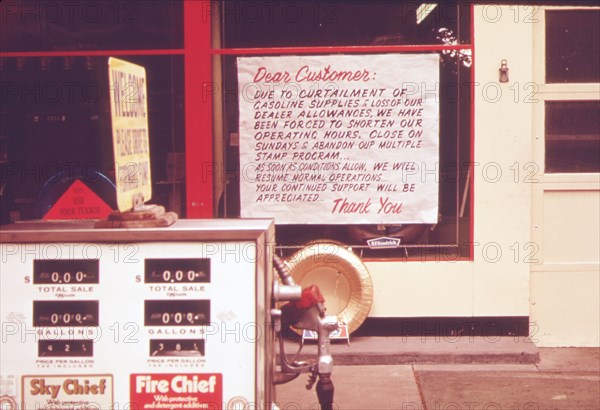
[
  {"x": 129, "y": 117},
  {"x": 340, "y": 139}
]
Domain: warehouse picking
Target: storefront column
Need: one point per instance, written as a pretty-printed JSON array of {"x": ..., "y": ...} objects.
[{"x": 199, "y": 89}]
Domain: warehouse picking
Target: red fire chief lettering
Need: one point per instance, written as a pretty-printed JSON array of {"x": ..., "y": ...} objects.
[
  {"x": 188, "y": 391},
  {"x": 177, "y": 384}
]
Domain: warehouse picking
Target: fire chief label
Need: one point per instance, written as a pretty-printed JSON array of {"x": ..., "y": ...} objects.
[
  {"x": 67, "y": 392},
  {"x": 176, "y": 391}
]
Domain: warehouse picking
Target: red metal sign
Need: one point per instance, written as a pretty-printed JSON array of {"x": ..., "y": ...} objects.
[
  {"x": 181, "y": 391},
  {"x": 79, "y": 202}
]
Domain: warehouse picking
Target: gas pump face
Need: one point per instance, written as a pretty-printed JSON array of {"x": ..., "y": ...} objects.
[
  {"x": 146, "y": 318},
  {"x": 184, "y": 328}
]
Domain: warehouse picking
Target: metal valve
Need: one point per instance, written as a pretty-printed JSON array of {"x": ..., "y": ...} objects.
[{"x": 284, "y": 293}]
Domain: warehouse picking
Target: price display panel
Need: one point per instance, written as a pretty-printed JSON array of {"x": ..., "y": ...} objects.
[
  {"x": 172, "y": 312},
  {"x": 66, "y": 348},
  {"x": 177, "y": 347},
  {"x": 156, "y": 318},
  {"x": 195, "y": 270},
  {"x": 56, "y": 272},
  {"x": 51, "y": 313}
]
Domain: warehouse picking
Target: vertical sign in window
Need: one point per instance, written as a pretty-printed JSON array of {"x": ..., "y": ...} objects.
[{"x": 129, "y": 117}]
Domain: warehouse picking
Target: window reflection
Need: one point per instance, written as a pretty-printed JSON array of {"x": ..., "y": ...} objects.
[
  {"x": 573, "y": 46},
  {"x": 67, "y": 25},
  {"x": 572, "y": 136},
  {"x": 339, "y": 23}
]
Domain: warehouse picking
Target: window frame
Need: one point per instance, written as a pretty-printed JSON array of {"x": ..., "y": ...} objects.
[
  {"x": 544, "y": 183},
  {"x": 556, "y": 92},
  {"x": 182, "y": 51},
  {"x": 440, "y": 250}
]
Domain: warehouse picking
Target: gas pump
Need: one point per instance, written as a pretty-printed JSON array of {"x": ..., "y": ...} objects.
[
  {"x": 193, "y": 312},
  {"x": 304, "y": 310}
]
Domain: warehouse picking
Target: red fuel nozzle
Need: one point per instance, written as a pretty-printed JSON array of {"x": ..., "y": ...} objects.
[
  {"x": 311, "y": 296},
  {"x": 292, "y": 311}
]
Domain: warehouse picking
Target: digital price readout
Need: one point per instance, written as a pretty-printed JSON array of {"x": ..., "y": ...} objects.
[
  {"x": 176, "y": 312},
  {"x": 196, "y": 270},
  {"x": 68, "y": 271},
  {"x": 177, "y": 347},
  {"x": 65, "y": 313},
  {"x": 66, "y": 348}
]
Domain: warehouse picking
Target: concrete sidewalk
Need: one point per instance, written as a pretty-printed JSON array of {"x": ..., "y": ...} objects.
[
  {"x": 562, "y": 378},
  {"x": 433, "y": 350}
]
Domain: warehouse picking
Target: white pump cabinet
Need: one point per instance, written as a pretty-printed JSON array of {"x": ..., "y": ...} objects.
[{"x": 150, "y": 318}]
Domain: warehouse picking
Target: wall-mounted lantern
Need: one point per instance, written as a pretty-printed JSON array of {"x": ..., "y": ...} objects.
[{"x": 503, "y": 71}]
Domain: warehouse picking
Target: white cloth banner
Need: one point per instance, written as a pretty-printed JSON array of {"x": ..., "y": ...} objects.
[{"x": 339, "y": 139}]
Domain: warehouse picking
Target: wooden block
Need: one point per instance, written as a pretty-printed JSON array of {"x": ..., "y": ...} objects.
[
  {"x": 106, "y": 223},
  {"x": 148, "y": 212},
  {"x": 166, "y": 219}
]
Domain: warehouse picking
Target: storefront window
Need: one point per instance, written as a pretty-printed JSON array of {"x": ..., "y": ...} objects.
[
  {"x": 320, "y": 31},
  {"x": 572, "y": 136},
  {"x": 341, "y": 23},
  {"x": 572, "y": 46},
  {"x": 572, "y": 125},
  {"x": 63, "y": 25},
  {"x": 54, "y": 102}
]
